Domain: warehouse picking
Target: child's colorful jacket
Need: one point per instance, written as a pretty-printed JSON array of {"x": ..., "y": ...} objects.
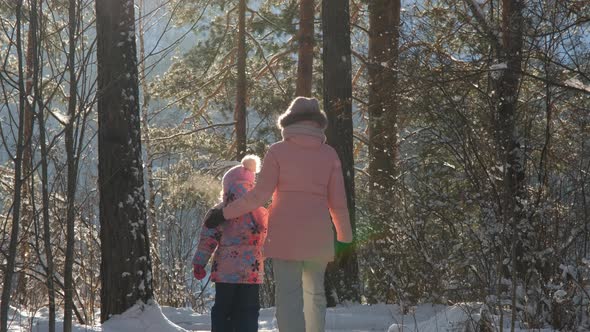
[{"x": 237, "y": 243}]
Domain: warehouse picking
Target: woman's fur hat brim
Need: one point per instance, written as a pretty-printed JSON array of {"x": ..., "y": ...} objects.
[
  {"x": 303, "y": 109},
  {"x": 288, "y": 118}
]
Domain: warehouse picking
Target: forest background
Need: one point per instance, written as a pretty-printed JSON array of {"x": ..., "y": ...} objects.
[{"x": 463, "y": 127}]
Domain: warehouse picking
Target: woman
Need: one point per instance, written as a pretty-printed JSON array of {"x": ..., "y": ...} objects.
[{"x": 304, "y": 177}]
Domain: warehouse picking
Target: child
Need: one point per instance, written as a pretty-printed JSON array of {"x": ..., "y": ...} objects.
[{"x": 237, "y": 267}]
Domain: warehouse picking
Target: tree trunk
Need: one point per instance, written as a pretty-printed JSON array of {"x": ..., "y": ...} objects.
[
  {"x": 126, "y": 271},
  {"x": 17, "y": 160},
  {"x": 241, "y": 93},
  {"x": 384, "y": 23},
  {"x": 71, "y": 168},
  {"x": 26, "y": 208},
  {"x": 511, "y": 152},
  {"x": 46, "y": 220},
  {"x": 46, "y": 226},
  {"x": 306, "y": 43},
  {"x": 151, "y": 205},
  {"x": 342, "y": 279},
  {"x": 44, "y": 180}
]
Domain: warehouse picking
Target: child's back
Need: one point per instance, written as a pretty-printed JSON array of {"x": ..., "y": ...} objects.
[
  {"x": 238, "y": 263},
  {"x": 239, "y": 242}
]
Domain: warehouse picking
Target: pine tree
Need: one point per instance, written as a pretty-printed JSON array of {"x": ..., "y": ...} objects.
[
  {"x": 383, "y": 109},
  {"x": 507, "y": 88},
  {"x": 384, "y": 22},
  {"x": 126, "y": 271},
  {"x": 72, "y": 167},
  {"x": 306, "y": 42},
  {"x": 342, "y": 278}
]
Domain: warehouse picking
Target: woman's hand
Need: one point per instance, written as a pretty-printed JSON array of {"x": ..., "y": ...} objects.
[
  {"x": 214, "y": 218},
  {"x": 343, "y": 248}
]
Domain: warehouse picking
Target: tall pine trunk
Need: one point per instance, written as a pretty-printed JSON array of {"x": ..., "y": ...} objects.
[
  {"x": 126, "y": 270},
  {"x": 306, "y": 43},
  {"x": 17, "y": 159},
  {"x": 241, "y": 93},
  {"x": 384, "y": 23},
  {"x": 72, "y": 172},
  {"x": 342, "y": 278}
]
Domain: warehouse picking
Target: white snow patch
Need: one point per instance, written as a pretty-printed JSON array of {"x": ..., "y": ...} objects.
[
  {"x": 576, "y": 83},
  {"x": 64, "y": 119},
  {"x": 455, "y": 318},
  {"x": 141, "y": 318},
  {"x": 499, "y": 66},
  {"x": 347, "y": 318},
  {"x": 560, "y": 295}
]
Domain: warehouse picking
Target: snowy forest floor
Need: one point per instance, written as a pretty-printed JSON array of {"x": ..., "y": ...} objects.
[{"x": 357, "y": 318}]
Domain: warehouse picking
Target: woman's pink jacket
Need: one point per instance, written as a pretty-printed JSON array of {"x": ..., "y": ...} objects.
[{"x": 304, "y": 177}]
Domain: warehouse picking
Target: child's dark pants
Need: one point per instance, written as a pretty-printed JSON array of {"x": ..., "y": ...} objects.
[{"x": 236, "y": 308}]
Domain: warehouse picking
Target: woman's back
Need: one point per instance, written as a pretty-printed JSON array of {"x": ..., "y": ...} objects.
[
  {"x": 304, "y": 177},
  {"x": 305, "y": 165},
  {"x": 301, "y": 225}
]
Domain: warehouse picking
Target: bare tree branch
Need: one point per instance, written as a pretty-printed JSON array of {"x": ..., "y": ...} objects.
[{"x": 190, "y": 132}]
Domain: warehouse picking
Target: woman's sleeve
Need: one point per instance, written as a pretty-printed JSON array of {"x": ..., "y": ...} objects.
[
  {"x": 261, "y": 215},
  {"x": 208, "y": 242},
  {"x": 260, "y": 194},
  {"x": 338, "y": 205}
]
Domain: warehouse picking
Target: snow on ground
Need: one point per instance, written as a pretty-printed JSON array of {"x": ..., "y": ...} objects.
[{"x": 352, "y": 318}]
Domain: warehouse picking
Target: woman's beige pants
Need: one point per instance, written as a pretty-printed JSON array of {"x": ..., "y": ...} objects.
[{"x": 299, "y": 295}]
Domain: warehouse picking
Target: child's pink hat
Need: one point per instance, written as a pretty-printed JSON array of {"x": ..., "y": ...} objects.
[{"x": 243, "y": 173}]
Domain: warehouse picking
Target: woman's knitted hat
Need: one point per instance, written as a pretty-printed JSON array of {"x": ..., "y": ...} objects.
[
  {"x": 303, "y": 109},
  {"x": 243, "y": 173}
]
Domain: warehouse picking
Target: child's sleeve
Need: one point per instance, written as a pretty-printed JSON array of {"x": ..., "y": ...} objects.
[{"x": 208, "y": 242}]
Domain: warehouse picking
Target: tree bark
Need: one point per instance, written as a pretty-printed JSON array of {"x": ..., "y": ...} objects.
[
  {"x": 44, "y": 179},
  {"x": 384, "y": 22},
  {"x": 383, "y": 109},
  {"x": 511, "y": 151},
  {"x": 18, "y": 182},
  {"x": 126, "y": 271},
  {"x": 26, "y": 208},
  {"x": 342, "y": 279},
  {"x": 241, "y": 93},
  {"x": 72, "y": 172},
  {"x": 46, "y": 225},
  {"x": 306, "y": 43}
]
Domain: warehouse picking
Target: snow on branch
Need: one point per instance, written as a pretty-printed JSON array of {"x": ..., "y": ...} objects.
[{"x": 577, "y": 84}]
